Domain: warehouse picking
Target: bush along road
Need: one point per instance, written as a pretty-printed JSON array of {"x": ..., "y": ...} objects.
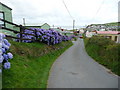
[{"x": 104, "y": 51}]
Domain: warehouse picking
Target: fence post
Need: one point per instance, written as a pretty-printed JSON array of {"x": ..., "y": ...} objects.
[
  {"x": 35, "y": 34},
  {"x": 21, "y": 31}
]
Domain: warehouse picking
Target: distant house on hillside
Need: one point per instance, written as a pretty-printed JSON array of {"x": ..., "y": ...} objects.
[
  {"x": 6, "y": 14},
  {"x": 113, "y": 35},
  {"x": 67, "y": 32},
  {"x": 90, "y": 34},
  {"x": 63, "y": 31}
]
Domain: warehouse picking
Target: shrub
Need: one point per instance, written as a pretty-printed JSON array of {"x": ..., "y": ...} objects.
[
  {"x": 49, "y": 37},
  {"x": 104, "y": 51},
  {"x": 4, "y": 55}
]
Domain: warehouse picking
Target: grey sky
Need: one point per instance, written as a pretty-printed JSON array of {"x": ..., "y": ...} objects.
[{"x": 54, "y": 12}]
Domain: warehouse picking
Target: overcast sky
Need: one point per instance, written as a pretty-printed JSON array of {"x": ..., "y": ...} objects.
[{"x": 53, "y": 12}]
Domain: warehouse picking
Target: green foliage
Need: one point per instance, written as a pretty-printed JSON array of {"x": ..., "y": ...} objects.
[
  {"x": 31, "y": 64},
  {"x": 112, "y": 23},
  {"x": 118, "y": 29},
  {"x": 105, "y": 51},
  {"x": 100, "y": 41},
  {"x": 75, "y": 38}
]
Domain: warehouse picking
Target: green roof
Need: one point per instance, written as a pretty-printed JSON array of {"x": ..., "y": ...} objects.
[{"x": 5, "y": 6}]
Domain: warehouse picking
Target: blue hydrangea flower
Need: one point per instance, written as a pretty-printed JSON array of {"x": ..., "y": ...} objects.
[
  {"x": 49, "y": 37},
  {"x": 10, "y": 56},
  {"x": 1, "y": 36},
  {"x": 3, "y": 50},
  {"x": 1, "y": 59},
  {"x": 5, "y": 57},
  {"x": 7, "y": 65},
  {"x": 6, "y": 42},
  {"x": 5, "y": 46}
]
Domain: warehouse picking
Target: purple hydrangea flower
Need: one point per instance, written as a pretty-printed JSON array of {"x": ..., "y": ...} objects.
[
  {"x": 5, "y": 46},
  {"x": 1, "y": 59},
  {"x": 6, "y": 42},
  {"x": 7, "y": 65},
  {"x": 5, "y": 57},
  {"x": 3, "y": 50},
  {"x": 10, "y": 56},
  {"x": 49, "y": 37},
  {"x": 1, "y": 36}
]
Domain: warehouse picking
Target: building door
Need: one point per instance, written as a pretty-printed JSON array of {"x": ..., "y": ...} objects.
[{"x": 115, "y": 38}]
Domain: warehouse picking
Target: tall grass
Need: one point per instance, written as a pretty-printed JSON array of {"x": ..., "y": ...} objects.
[{"x": 104, "y": 51}]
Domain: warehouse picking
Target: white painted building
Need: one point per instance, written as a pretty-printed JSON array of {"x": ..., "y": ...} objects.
[{"x": 90, "y": 34}]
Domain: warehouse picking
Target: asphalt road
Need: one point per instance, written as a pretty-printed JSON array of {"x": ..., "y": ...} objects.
[{"x": 75, "y": 69}]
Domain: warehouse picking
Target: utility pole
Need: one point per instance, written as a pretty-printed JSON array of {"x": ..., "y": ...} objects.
[
  {"x": 24, "y": 21},
  {"x": 53, "y": 26},
  {"x": 73, "y": 24}
]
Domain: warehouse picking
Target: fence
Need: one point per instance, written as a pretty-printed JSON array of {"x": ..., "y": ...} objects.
[{"x": 21, "y": 32}]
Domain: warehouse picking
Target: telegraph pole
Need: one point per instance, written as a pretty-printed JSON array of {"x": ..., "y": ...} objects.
[
  {"x": 53, "y": 26},
  {"x": 24, "y": 21},
  {"x": 73, "y": 24}
]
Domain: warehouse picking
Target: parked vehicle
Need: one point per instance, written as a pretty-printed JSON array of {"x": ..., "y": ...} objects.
[{"x": 81, "y": 36}]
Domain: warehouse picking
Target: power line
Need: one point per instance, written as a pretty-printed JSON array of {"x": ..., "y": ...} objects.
[
  {"x": 98, "y": 9},
  {"x": 67, "y": 9},
  {"x": 70, "y": 15}
]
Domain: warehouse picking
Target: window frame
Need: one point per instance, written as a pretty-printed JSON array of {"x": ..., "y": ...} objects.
[{"x": 3, "y": 18}]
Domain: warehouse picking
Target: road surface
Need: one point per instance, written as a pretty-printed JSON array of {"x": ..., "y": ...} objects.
[{"x": 75, "y": 69}]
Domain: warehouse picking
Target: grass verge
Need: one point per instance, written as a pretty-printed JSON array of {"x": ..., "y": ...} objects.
[
  {"x": 105, "y": 52},
  {"x": 31, "y": 64}
]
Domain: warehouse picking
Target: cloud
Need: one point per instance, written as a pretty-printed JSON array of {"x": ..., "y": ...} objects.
[{"x": 54, "y": 12}]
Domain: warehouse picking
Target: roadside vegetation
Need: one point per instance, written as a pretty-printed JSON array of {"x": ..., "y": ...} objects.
[
  {"x": 31, "y": 64},
  {"x": 104, "y": 51}
]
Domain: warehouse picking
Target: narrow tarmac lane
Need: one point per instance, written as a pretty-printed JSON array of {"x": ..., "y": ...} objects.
[{"x": 75, "y": 69}]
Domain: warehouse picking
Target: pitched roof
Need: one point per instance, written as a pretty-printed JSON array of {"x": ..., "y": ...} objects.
[
  {"x": 108, "y": 32},
  {"x": 5, "y": 6},
  {"x": 45, "y": 24},
  {"x": 35, "y": 24}
]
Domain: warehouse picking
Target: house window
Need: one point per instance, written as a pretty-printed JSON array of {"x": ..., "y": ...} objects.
[
  {"x": 2, "y": 24},
  {"x": 108, "y": 37}
]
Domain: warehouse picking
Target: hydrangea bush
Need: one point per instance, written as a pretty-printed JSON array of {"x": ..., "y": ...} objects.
[
  {"x": 49, "y": 37},
  {"x": 4, "y": 55}
]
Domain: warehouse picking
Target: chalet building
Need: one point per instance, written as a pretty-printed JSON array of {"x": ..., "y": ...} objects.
[
  {"x": 113, "y": 35},
  {"x": 6, "y": 14}
]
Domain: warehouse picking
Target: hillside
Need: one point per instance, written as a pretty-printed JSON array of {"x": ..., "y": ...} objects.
[
  {"x": 112, "y": 23},
  {"x": 108, "y": 24}
]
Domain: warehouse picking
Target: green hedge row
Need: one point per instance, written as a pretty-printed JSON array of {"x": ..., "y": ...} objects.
[{"x": 104, "y": 51}]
